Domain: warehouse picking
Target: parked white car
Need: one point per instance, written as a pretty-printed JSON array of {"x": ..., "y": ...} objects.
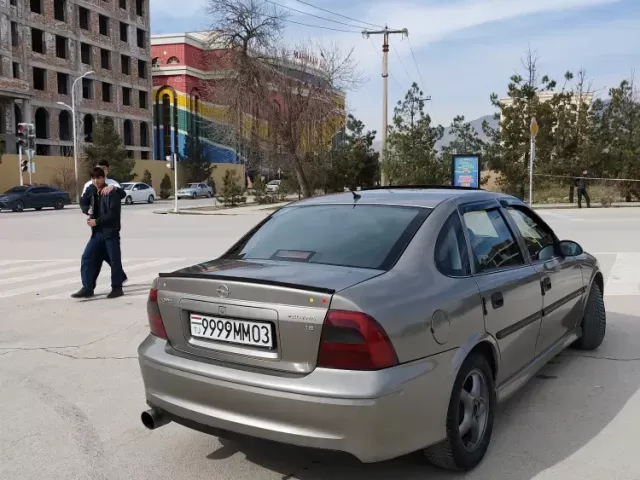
[
  {"x": 138, "y": 192},
  {"x": 273, "y": 186},
  {"x": 195, "y": 190}
]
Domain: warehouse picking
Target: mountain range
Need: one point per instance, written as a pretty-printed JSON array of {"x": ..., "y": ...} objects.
[{"x": 448, "y": 136}]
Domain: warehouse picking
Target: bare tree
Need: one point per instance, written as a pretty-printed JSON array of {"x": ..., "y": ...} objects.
[{"x": 283, "y": 102}]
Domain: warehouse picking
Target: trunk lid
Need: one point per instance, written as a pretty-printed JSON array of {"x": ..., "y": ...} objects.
[{"x": 266, "y": 314}]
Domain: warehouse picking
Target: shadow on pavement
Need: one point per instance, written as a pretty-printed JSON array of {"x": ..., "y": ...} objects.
[{"x": 566, "y": 406}]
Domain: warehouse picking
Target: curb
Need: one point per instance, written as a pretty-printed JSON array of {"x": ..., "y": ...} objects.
[{"x": 570, "y": 206}]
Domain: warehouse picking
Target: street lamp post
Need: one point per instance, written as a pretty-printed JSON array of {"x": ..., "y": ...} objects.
[{"x": 73, "y": 119}]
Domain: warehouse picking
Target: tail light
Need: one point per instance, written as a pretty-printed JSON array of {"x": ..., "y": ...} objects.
[
  {"x": 153, "y": 313},
  {"x": 354, "y": 341}
]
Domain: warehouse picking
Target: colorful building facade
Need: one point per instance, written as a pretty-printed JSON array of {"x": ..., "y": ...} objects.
[{"x": 183, "y": 103}]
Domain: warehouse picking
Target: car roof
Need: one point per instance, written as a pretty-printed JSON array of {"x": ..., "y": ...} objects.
[{"x": 420, "y": 196}]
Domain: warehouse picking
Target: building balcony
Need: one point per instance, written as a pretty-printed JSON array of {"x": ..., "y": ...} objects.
[{"x": 14, "y": 87}]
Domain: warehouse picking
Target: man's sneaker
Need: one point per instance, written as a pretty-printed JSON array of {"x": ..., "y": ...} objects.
[
  {"x": 82, "y": 293},
  {"x": 115, "y": 293},
  {"x": 125, "y": 279}
]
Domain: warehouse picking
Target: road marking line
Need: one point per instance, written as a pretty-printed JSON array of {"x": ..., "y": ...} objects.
[
  {"x": 624, "y": 277},
  {"x": 69, "y": 281},
  {"x": 37, "y": 266}
]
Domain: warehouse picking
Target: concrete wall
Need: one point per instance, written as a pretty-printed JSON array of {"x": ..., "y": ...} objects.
[{"x": 48, "y": 167}]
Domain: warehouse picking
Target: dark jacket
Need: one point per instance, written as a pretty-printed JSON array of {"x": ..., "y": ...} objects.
[
  {"x": 110, "y": 208},
  {"x": 582, "y": 181}
]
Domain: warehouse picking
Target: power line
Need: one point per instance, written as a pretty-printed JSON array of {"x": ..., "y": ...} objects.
[
  {"x": 320, "y": 26},
  {"x": 312, "y": 15},
  {"x": 416, "y": 63},
  {"x": 339, "y": 14},
  {"x": 401, "y": 62}
]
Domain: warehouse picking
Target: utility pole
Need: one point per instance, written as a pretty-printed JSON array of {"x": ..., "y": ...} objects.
[{"x": 385, "y": 84}]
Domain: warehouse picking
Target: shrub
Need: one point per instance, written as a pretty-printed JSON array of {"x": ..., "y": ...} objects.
[
  {"x": 232, "y": 190},
  {"x": 64, "y": 178},
  {"x": 146, "y": 177},
  {"x": 260, "y": 191},
  {"x": 287, "y": 186},
  {"x": 165, "y": 187}
]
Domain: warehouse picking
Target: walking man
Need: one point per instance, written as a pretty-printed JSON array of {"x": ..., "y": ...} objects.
[
  {"x": 104, "y": 244},
  {"x": 111, "y": 185},
  {"x": 582, "y": 183}
]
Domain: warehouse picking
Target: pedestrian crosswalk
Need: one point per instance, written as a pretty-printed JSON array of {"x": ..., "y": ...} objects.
[{"x": 58, "y": 278}]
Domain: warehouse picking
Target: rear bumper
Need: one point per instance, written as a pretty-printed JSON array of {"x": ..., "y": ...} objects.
[{"x": 374, "y": 416}]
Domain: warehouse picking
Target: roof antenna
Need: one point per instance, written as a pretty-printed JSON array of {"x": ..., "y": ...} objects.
[{"x": 356, "y": 196}]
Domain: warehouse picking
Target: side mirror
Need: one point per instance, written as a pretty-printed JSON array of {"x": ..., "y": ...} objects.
[{"x": 570, "y": 249}]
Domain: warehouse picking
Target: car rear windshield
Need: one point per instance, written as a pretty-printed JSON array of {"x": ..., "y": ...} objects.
[{"x": 363, "y": 236}]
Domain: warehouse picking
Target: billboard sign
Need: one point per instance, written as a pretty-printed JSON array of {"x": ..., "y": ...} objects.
[{"x": 465, "y": 171}]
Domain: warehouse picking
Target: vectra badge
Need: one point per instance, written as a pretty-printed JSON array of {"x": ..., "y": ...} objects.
[{"x": 223, "y": 291}]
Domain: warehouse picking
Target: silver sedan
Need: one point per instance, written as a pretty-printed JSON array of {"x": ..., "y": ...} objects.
[{"x": 377, "y": 323}]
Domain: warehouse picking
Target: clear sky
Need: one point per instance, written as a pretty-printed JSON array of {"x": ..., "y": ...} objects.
[{"x": 464, "y": 49}]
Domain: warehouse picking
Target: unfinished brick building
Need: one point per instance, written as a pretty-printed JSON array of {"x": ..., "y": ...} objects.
[{"x": 45, "y": 45}]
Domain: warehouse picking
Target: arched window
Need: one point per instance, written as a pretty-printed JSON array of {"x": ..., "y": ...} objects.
[
  {"x": 42, "y": 123},
  {"x": 88, "y": 128},
  {"x": 173, "y": 61},
  {"x": 156, "y": 62},
  {"x": 144, "y": 134},
  {"x": 128, "y": 133},
  {"x": 64, "y": 122}
]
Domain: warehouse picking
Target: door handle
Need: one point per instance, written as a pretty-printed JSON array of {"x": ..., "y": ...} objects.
[
  {"x": 546, "y": 284},
  {"x": 497, "y": 300}
]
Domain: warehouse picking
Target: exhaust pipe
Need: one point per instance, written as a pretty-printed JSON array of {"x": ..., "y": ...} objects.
[{"x": 154, "y": 418}]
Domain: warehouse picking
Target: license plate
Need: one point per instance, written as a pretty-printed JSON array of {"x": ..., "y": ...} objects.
[{"x": 255, "y": 334}]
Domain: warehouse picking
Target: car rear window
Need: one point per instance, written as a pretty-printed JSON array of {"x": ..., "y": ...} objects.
[{"x": 363, "y": 236}]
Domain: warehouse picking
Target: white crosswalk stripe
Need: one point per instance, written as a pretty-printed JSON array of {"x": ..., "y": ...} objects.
[{"x": 52, "y": 279}]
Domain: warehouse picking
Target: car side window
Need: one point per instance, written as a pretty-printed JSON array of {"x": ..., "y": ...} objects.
[
  {"x": 452, "y": 256},
  {"x": 538, "y": 237},
  {"x": 143, "y": 186},
  {"x": 492, "y": 243},
  {"x": 38, "y": 190}
]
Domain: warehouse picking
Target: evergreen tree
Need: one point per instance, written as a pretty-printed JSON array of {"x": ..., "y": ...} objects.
[
  {"x": 107, "y": 146},
  {"x": 197, "y": 166},
  {"x": 411, "y": 153}
]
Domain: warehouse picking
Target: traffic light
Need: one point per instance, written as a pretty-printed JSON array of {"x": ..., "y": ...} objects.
[
  {"x": 22, "y": 136},
  {"x": 24, "y": 165},
  {"x": 31, "y": 137}
]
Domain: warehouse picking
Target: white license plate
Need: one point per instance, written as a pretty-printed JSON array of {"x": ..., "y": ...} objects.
[{"x": 242, "y": 332}]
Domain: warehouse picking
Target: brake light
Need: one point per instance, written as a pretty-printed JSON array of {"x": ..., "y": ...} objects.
[
  {"x": 153, "y": 314},
  {"x": 354, "y": 341}
]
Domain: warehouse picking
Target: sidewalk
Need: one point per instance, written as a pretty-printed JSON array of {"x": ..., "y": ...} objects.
[{"x": 565, "y": 206}]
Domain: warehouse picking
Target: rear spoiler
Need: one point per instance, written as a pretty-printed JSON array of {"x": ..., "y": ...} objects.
[{"x": 256, "y": 281}]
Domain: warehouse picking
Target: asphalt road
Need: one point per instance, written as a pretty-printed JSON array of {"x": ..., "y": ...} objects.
[{"x": 71, "y": 393}]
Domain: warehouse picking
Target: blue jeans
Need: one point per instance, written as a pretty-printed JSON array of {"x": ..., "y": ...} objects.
[{"x": 101, "y": 249}]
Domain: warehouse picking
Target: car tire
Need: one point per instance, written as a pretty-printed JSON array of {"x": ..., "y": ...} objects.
[
  {"x": 594, "y": 322},
  {"x": 150, "y": 199},
  {"x": 459, "y": 451},
  {"x": 59, "y": 204},
  {"x": 128, "y": 200},
  {"x": 19, "y": 206},
  {"x": 209, "y": 195},
  {"x": 194, "y": 196}
]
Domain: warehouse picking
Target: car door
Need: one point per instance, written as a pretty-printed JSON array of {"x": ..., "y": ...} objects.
[
  {"x": 509, "y": 287},
  {"x": 203, "y": 190},
  {"x": 562, "y": 284},
  {"x": 37, "y": 198}
]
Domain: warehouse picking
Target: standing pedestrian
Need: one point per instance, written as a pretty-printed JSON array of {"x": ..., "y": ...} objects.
[
  {"x": 581, "y": 185},
  {"x": 111, "y": 185},
  {"x": 104, "y": 244}
]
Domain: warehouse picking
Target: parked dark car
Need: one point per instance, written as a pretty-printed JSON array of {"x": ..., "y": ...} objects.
[{"x": 33, "y": 196}]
